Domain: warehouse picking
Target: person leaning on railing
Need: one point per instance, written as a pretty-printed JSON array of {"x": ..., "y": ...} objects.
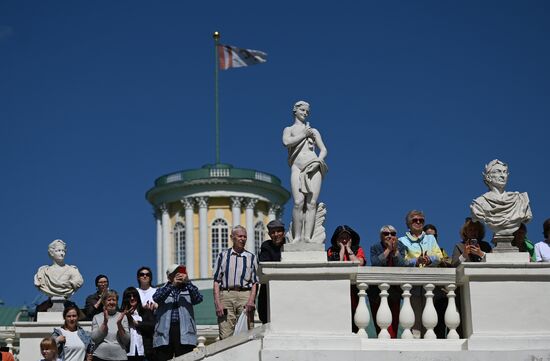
[
  {"x": 542, "y": 249},
  {"x": 472, "y": 248},
  {"x": 523, "y": 243},
  {"x": 345, "y": 248},
  {"x": 387, "y": 253},
  {"x": 422, "y": 251}
]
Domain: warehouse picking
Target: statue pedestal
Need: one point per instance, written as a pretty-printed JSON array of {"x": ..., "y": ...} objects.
[
  {"x": 503, "y": 244},
  {"x": 507, "y": 258},
  {"x": 505, "y": 306},
  {"x": 304, "y": 253},
  {"x": 309, "y": 298},
  {"x": 50, "y": 317}
]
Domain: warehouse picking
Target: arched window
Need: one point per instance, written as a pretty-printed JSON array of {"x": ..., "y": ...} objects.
[
  {"x": 179, "y": 242},
  {"x": 220, "y": 237},
  {"x": 258, "y": 236}
]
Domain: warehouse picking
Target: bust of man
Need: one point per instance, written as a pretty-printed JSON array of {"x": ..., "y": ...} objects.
[
  {"x": 502, "y": 211},
  {"x": 58, "y": 279}
]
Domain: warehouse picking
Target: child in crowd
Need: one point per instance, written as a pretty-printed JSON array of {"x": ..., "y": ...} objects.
[{"x": 48, "y": 349}]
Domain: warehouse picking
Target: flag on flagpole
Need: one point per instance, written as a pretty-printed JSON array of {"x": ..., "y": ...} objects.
[{"x": 233, "y": 57}]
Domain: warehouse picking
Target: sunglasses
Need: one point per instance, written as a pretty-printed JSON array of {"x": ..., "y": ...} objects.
[
  {"x": 144, "y": 274},
  {"x": 385, "y": 234},
  {"x": 417, "y": 220}
]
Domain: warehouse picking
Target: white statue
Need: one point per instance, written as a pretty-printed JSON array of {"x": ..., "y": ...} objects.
[
  {"x": 307, "y": 172},
  {"x": 59, "y": 279},
  {"x": 502, "y": 211}
]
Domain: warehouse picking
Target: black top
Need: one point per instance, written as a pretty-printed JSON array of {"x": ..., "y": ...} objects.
[
  {"x": 269, "y": 252},
  {"x": 89, "y": 310}
]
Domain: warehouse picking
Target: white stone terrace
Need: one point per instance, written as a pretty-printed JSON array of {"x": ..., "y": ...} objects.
[{"x": 504, "y": 316}]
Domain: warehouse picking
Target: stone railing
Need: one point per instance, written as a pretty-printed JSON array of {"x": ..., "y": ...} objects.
[{"x": 406, "y": 279}]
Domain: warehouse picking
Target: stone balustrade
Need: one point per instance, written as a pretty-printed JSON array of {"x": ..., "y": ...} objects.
[{"x": 406, "y": 278}]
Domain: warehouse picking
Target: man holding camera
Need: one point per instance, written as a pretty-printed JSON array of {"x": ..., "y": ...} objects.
[{"x": 175, "y": 328}]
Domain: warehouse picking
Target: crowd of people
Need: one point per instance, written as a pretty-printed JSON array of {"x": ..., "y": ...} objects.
[{"x": 156, "y": 324}]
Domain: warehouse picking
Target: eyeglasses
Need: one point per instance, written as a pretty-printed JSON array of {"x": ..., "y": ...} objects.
[
  {"x": 385, "y": 234},
  {"x": 417, "y": 220},
  {"x": 143, "y": 274}
]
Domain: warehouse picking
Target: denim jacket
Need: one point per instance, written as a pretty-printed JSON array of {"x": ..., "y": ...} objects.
[
  {"x": 84, "y": 336},
  {"x": 183, "y": 304}
]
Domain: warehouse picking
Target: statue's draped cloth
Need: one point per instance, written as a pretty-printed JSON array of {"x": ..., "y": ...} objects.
[
  {"x": 58, "y": 280},
  {"x": 309, "y": 168},
  {"x": 503, "y": 213}
]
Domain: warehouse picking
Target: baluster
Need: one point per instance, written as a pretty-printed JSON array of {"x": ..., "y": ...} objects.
[
  {"x": 406, "y": 315},
  {"x": 452, "y": 317},
  {"x": 200, "y": 342},
  {"x": 383, "y": 317},
  {"x": 362, "y": 316},
  {"x": 429, "y": 315}
]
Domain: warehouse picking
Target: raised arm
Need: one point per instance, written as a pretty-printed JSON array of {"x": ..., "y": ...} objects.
[{"x": 290, "y": 139}]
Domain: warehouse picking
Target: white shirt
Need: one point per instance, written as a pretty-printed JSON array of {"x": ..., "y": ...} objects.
[
  {"x": 542, "y": 251},
  {"x": 136, "y": 341},
  {"x": 74, "y": 348},
  {"x": 146, "y": 295}
]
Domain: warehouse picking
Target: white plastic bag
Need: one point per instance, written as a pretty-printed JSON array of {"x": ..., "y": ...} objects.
[{"x": 242, "y": 324}]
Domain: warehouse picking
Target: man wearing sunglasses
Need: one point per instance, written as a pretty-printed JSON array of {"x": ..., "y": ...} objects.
[{"x": 146, "y": 292}]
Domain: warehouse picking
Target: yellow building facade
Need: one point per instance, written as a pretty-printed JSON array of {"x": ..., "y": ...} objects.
[{"x": 196, "y": 209}]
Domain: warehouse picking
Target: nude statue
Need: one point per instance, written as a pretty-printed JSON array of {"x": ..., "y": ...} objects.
[
  {"x": 58, "y": 279},
  {"x": 502, "y": 211},
  {"x": 307, "y": 171}
]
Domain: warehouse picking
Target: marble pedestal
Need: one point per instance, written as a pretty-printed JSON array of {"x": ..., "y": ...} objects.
[
  {"x": 307, "y": 297},
  {"x": 303, "y": 253},
  {"x": 505, "y": 305}
]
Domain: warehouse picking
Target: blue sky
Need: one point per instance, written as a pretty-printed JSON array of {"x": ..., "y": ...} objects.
[{"x": 97, "y": 99}]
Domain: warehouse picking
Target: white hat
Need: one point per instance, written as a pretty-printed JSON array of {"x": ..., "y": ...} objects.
[{"x": 172, "y": 268}]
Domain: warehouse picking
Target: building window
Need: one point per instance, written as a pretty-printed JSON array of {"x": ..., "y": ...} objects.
[
  {"x": 179, "y": 242},
  {"x": 220, "y": 237},
  {"x": 258, "y": 236}
]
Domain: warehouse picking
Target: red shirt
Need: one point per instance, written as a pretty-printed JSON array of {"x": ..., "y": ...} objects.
[{"x": 358, "y": 254}]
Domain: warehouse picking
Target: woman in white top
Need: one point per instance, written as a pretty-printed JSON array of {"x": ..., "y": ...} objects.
[
  {"x": 542, "y": 249},
  {"x": 146, "y": 292},
  {"x": 73, "y": 343},
  {"x": 142, "y": 325}
]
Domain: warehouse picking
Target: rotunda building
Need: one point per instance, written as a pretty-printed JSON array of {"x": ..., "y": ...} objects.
[{"x": 196, "y": 209}]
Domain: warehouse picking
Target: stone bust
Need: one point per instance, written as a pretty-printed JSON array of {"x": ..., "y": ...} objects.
[
  {"x": 502, "y": 211},
  {"x": 58, "y": 279}
]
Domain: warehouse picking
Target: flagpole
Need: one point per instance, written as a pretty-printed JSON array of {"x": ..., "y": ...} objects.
[{"x": 216, "y": 106}]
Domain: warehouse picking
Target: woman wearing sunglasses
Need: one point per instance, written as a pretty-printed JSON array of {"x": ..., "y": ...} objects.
[
  {"x": 146, "y": 291},
  {"x": 422, "y": 251},
  {"x": 387, "y": 253}
]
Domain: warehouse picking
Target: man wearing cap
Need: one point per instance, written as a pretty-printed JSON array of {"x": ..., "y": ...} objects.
[
  {"x": 175, "y": 328},
  {"x": 270, "y": 252},
  {"x": 235, "y": 284}
]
